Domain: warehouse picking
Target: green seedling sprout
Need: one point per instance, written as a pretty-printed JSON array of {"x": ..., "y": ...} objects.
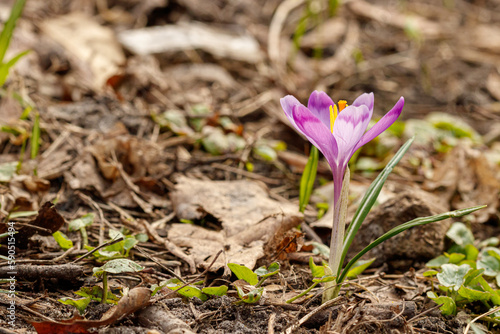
[
  {"x": 252, "y": 278},
  {"x": 117, "y": 266},
  {"x": 80, "y": 224}
]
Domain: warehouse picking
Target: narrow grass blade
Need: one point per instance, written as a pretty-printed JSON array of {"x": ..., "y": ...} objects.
[
  {"x": 4, "y": 68},
  {"x": 370, "y": 198},
  {"x": 308, "y": 177},
  {"x": 35, "y": 136},
  {"x": 8, "y": 29},
  {"x": 404, "y": 227}
]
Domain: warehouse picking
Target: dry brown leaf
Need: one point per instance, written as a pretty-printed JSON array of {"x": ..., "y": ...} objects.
[
  {"x": 88, "y": 41},
  {"x": 124, "y": 170},
  {"x": 48, "y": 220},
  {"x": 248, "y": 217},
  {"x": 464, "y": 179}
]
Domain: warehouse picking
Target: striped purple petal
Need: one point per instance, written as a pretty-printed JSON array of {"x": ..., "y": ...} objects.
[
  {"x": 366, "y": 99},
  {"x": 319, "y": 104},
  {"x": 349, "y": 127},
  {"x": 316, "y": 132},
  {"x": 382, "y": 124}
]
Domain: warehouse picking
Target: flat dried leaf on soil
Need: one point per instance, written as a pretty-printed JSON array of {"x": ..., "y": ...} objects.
[{"x": 249, "y": 220}]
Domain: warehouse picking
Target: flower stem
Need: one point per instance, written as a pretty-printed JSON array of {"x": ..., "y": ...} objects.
[{"x": 337, "y": 241}]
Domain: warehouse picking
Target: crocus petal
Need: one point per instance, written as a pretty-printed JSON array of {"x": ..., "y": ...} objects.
[
  {"x": 287, "y": 103},
  {"x": 349, "y": 127},
  {"x": 316, "y": 132},
  {"x": 382, "y": 124},
  {"x": 366, "y": 99},
  {"x": 319, "y": 104}
]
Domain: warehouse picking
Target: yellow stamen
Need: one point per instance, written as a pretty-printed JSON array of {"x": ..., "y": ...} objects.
[
  {"x": 333, "y": 116},
  {"x": 342, "y": 104}
]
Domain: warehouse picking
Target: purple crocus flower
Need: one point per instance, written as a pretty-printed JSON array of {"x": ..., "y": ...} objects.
[{"x": 337, "y": 133}]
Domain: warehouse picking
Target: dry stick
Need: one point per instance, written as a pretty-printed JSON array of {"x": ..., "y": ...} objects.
[
  {"x": 245, "y": 173},
  {"x": 190, "y": 282},
  {"x": 103, "y": 220},
  {"x": 64, "y": 255},
  {"x": 479, "y": 317},
  {"x": 270, "y": 323},
  {"x": 46, "y": 230},
  {"x": 170, "y": 246},
  {"x": 109, "y": 243},
  {"x": 320, "y": 308},
  {"x": 141, "y": 250}
]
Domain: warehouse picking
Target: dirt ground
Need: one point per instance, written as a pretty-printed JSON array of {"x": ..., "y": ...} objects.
[{"x": 162, "y": 119}]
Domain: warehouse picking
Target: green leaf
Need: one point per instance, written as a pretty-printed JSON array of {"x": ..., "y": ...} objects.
[
  {"x": 403, "y": 227},
  {"x": 187, "y": 291},
  {"x": 457, "y": 126},
  {"x": 308, "y": 177},
  {"x": 265, "y": 152},
  {"x": 80, "y": 304},
  {"x": 453, "y": 276},
  {"x": 430, "y": 273},
  {"x": 448, "y": 308},
  {"x": 493, "y": 241},
  {"x": 471, "y": 252},
  {"x": 118, "y": 266},
  {"x": 359, "y": 267},
  {"x": 316, "y": 271},
  {"x": 95, "y": 293},
  {"x": 370, "y": 198},
  {"x": 456, "y": 257},
  {"x": 175, "y": 120},
  {"x": 244, "y": 273},
  {"x": 473, "y": 295},
  {"x": 251, "y": 297},
  {"x": 460, "y": 234},
  {"x": 320, "y": 248},
  {"x": 7, "y": 171},
  {"x": 488, "y": 259},
  {"x": 142, "y": 237},
  {"x": 264, "y": 272},
  {"x": 129, "y": 243},
  {"x": 215, "y": 290},
  {"x": 62, "y": 240},
  {"x": 8, "y": 28},
  {"x": 82, "y": 222},
  {"x": 438, "y": 261},
  {"x": 472, "y": 277},
  {"x": 495, "y": 298}
]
